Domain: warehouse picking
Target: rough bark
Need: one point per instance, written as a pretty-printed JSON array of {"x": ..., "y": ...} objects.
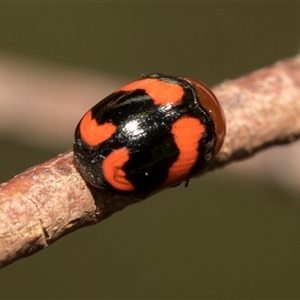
[{"x": 50, "y": 200}]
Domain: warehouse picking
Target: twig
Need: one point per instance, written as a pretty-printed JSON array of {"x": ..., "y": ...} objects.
[{"x": 50, "y": 200}]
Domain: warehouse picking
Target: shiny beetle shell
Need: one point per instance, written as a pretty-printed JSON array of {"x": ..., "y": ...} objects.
[{"x": 150, "y": 134}]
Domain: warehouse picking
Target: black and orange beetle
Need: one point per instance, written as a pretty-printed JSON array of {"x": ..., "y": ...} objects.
[{"x": 150, "y": 134}]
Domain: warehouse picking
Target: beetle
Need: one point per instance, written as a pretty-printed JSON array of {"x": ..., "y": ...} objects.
[{"x": 150, "y": 134}]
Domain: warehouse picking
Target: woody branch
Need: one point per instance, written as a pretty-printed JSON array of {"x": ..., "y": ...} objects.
[{"x": 50, "y": 200}]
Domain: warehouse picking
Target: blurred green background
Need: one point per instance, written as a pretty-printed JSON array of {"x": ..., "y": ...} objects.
[{"x": 224, "y": 236}]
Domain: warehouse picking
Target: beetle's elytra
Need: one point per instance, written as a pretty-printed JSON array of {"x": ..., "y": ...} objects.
[{"x": 150, "y": 134}]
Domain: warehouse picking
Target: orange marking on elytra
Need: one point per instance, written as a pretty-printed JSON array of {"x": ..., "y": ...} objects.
[
  {"x": 94, "y": 134},
  {"x": 112, "y": 170},
  {"x": 187, "y": 133},
  {"x": 161, "y": 92}
]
